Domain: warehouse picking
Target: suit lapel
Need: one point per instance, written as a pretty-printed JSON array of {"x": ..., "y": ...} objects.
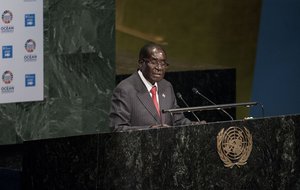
[{"x": 146, "y": 100}]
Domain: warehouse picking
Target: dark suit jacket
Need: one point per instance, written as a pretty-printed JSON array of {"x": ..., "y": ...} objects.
[{"x": 132, "y": 106}]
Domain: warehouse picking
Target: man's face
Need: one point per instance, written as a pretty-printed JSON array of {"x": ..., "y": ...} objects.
[{"x": 154, "y": 67}]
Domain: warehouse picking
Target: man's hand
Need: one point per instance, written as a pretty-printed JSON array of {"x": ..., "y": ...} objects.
[{"x": 199, "y": 123}]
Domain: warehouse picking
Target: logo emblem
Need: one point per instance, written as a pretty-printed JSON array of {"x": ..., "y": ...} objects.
[
  {"x": 7, "y": 77},
  {"x": 7, "y": 52},
  {"x": 29, "y": 80},
  {"x": 29, "y": 20},
  {"x": 7, "y": 16},
  {"x": 30, "y": 45},
  {"x": 234, "y": 146}
]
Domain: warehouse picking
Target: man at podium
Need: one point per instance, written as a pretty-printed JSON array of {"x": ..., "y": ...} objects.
[{"x": 137, "y": 101}]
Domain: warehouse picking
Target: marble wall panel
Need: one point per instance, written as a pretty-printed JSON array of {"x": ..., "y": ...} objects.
[{"x": 79, "y": 74}]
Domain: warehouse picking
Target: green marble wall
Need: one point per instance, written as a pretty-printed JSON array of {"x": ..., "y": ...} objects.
[{"x": 79, "y": 69}]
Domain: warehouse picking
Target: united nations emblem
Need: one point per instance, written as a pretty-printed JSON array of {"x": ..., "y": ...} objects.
[{"x": 234, "y": 146}]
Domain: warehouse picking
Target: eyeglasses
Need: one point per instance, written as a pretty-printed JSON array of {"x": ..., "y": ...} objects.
[{"x": 156, "y": 63}]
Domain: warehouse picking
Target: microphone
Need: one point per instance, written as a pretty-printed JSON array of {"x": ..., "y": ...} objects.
[
  {"x": 181, "y": 98},
  {"x": 197, "y": 92}
]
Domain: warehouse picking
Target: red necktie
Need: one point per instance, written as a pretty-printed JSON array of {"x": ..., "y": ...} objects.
[{"x": 153, "y": 92}]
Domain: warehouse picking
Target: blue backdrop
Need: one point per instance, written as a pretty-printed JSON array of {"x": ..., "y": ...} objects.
[{"x": 277, "y": 71}]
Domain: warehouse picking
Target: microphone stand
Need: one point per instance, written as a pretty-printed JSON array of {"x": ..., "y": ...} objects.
[
  {"x": 184, "y": 102},
  {"x": 207, "y": 99}
]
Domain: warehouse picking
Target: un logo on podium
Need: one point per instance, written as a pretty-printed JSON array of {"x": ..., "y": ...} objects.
[{"x": 234, "y": 146}]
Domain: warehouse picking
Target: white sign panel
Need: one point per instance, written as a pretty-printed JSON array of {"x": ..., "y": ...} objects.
[{"x": 21, "y": 51}]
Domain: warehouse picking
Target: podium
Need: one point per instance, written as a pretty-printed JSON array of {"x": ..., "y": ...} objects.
[{"x": 183, "y": 157}]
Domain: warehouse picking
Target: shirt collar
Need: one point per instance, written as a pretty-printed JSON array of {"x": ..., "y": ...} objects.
[{"x": 146, "y": 82}]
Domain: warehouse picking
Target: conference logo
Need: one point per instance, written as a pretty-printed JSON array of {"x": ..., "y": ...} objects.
[
  {"x": 30, "y": 80},
  {"x": 7, "y": 18},
  {"x": 29, "y": 20},
  {"x": 7, "y": 77},
  {"x": 7, "y": 52},
  {"x": 30, "y": 46}
]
